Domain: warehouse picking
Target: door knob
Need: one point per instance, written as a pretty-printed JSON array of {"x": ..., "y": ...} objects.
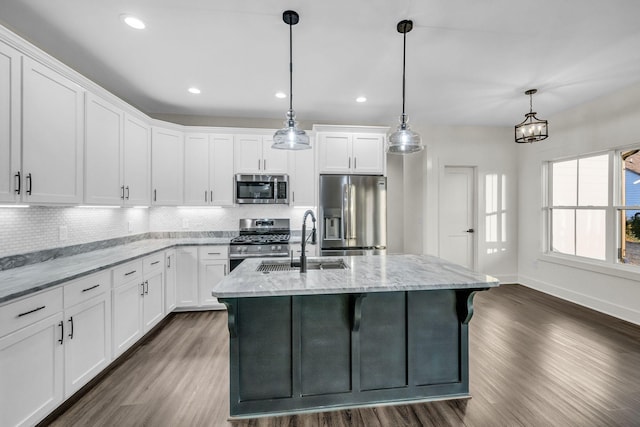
[{"x": 471, "y": 230}]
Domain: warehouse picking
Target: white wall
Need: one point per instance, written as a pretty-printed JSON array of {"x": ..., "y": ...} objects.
[
  {"x": 609, "y": 122},
  {"x": 489, "y": 150}
]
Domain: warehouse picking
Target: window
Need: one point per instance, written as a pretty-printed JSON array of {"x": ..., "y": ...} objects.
[
  {"x": 628, "y": 210},
  {"x": 593, "y": 207},
  {"x": 578, "y": 208}
]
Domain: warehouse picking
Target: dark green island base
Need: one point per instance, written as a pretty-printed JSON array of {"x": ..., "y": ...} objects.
[{"x": 303, "y": 353}]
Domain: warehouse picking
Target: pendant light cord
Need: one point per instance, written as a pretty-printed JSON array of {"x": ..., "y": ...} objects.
[
  {"x": 290, "y": 67},
  {"x": 404, "y": 59}
]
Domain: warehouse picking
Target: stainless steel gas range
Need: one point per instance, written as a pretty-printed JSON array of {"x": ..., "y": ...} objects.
[{"x": 260, "y": 237}]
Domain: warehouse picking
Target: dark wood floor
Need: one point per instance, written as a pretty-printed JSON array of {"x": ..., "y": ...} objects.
[{"x": 535, "y": 360}]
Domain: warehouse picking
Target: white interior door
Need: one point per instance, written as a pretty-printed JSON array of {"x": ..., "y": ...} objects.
[{"x": 456, "y": 211}]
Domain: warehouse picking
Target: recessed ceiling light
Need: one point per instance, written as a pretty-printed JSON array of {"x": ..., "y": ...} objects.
[
  {"x": 133, "y": 22},
  {"x": 361, "y": 99},
  {"x": 281, "y": 95},
  {"x": 194, "y": 90}
]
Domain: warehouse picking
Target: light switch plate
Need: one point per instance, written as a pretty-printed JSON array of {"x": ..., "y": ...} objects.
[
  {"x": 185, "y": 223},
  {"x": 130, "y": 226},
  {"x": 63, "y": 233}
]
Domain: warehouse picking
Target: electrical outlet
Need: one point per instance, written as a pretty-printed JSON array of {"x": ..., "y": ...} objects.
[
  {"x": 130, "y": 226},
  {"x": 185, "y": 223},
  {"x": 63, "y": 233}
]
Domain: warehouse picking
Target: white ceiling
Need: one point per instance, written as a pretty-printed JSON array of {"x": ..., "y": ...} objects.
[{"x": 468, "y": 62}]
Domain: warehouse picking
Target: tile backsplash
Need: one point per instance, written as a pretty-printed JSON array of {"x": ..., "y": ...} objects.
[{"x": 37, "y": 228}]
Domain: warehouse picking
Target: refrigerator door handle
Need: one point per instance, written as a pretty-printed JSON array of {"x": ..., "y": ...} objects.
[
  {"x": 345, "y": 203},
  {"x": 352, "y": 210}
]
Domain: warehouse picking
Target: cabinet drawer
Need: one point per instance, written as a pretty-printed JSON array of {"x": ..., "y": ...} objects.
[
  {"x": 127, "y": 273},
  {"x": 86, "y": 287},
  {"x": 17, "y": 315},
  {"x": 213, "y": 252},
  {"x": 153, "y": 262}
]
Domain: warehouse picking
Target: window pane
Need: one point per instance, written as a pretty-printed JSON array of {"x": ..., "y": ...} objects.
[
  {"x": 563, "y": 231},
  {"x": 565, "y": 183},
  {"x": 631, "y": 243},
  {"x": 593, "y": 181},
  {"x": 631, "y": 179},
  {"x": 591, "y": 233}
]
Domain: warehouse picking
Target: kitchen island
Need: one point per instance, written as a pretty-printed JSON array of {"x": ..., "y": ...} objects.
[{"x": 382, "y": 329}]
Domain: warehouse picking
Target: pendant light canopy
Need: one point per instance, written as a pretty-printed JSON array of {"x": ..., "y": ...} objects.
[
  {"x": 404, "y": 140},
  {"x": 532, "y": 129},
  {"x": 290, "y": 137}
]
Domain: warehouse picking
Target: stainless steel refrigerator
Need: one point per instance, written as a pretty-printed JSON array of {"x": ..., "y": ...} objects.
[{"x": 353, "y": 214}]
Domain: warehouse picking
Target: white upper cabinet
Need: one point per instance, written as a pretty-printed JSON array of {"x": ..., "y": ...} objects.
[
  {"x": 117, "y": 156},
  {"x": 10, "y": 176},
  {"x": 137, "y": 162},
  {"x": 208, "y": 170},
  {"x": 103, "y": 152},
  {"x": 221, "y": 172},
  {"x": 166, "y": 167},
  {"x": 196, "y": 170},
  {"x": 303, "y": 178},
  {"x": 368, "y": 154},
  {"x": 52, "y": 143},
  {"x": 351, "y": 153},
  {"x": 254, "y": 155}
]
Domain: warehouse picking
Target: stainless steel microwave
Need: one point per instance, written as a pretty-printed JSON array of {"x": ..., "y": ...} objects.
[{"x": 255, "y": 189}]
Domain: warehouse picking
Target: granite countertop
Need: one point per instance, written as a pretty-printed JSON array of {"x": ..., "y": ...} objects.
[
  {"x": 383, "y": 273},
  {"x": 21, "y": 281}
]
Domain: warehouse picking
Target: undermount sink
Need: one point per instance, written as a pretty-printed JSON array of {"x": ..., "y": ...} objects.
[{"x": 312, "y": 264}]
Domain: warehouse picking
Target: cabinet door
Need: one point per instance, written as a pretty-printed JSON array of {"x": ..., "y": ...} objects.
[
  {"x": 211, "y": 272},
  {"x": 153, "y": 304},
  {"x": 170, "y": 281},
  {"x": 187, "y": 277},
  {"x": 196, "y": 170},
  {"x": 248, "y": 154},
  {"x": 274, "y": 161},
  {"x": 31, "y": 366},
  {"x": 87, "y": 341},
  {"x": 303, "y": 178},
  {"x": 9, "y": 124},
  {"x": 103, "y": 153},
  {"x": 334, "y": 153},
  {"x": 127, "y": 316},
  {"x": 221, "y": 169},
  {"x": 52, "y": 119},
  {"x": 166, "y": 167},
  {"x": 137, "y": 162},
  {"x": 368, "y": 154}
]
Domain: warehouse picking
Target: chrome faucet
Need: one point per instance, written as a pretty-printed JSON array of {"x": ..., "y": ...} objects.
[{"x": 303, "y": 255}]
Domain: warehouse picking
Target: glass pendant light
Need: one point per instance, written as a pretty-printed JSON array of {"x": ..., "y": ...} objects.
[
  {"x": 532, "y": 129},
  {"x": 290, "y": 137},
  {"x": 404, "y": 140}
]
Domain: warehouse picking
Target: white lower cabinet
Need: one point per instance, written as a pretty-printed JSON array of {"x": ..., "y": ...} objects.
[
  {"x": 198, "y": 270},
  {"x": 153, "y": 301},
  {"x": 213, "y": 266},
  {"x": 127, "y": 306},
  {"x": 138, "y": 303},
  {"x": 170, "y": 281},
  {"x": 187, "y": 276},
  {"x": 31, "y": 358},
  {"x": 87, "y": 341}
]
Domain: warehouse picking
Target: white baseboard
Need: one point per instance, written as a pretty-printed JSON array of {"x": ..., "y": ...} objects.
[{"x": 596, "y": 304}]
